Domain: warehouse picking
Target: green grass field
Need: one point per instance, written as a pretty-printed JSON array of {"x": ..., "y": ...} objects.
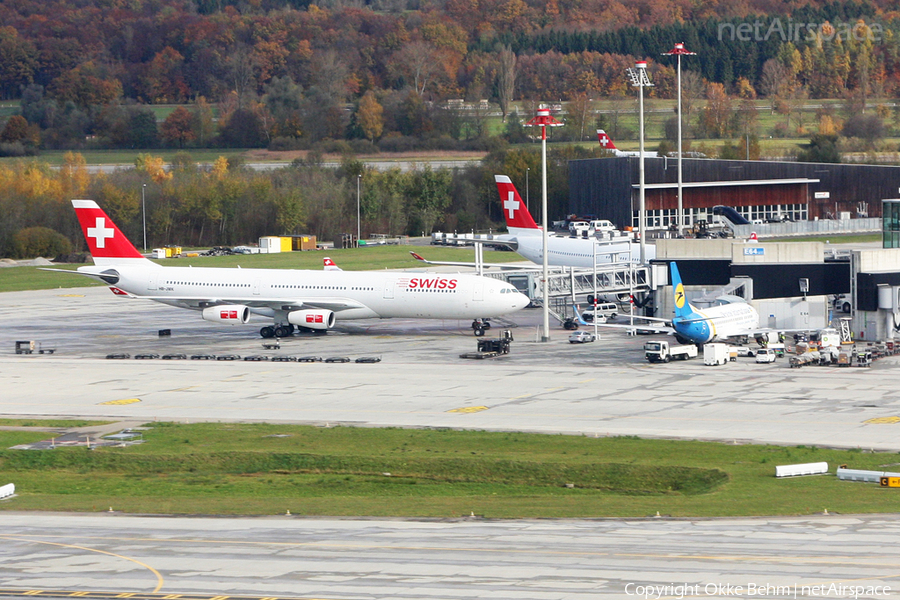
[
  {"x": 269, "y": 469},
  {"x": 15, "y": 279}
]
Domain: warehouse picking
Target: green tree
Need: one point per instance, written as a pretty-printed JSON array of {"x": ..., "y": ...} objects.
[{"x": 821, "y": 148}]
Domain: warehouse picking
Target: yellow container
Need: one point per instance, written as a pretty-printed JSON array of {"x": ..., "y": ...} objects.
[{"x": 286, "y": 244}]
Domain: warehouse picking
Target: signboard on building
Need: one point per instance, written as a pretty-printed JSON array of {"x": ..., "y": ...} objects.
[{"x": 754, "y": 251}]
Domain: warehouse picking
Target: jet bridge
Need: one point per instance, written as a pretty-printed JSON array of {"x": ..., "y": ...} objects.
[{"x": 567, "y": 283}]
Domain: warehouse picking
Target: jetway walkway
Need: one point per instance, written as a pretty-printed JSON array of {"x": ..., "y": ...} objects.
[{"x": 566, "y": 283}]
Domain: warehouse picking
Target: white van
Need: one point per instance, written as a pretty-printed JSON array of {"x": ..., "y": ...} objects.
[
  {"x": 766, "y": 355},
  {"x": 577, "y": 227},
  {"x": 602, "y": 225},
  {"x": 607, "y": 310}
]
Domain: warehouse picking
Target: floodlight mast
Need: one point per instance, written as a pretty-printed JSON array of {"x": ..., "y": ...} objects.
[
  {"x": 639, "y": 79},
  {"x": 679, "y": 50},
  {"x": 542, "y": 120}
]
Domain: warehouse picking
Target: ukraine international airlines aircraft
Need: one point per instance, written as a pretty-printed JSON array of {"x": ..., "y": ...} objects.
[
  {"x": 692, "y": 325},
  {"x": 711, "y": 324},
  {"x": 307, "y": 299}
]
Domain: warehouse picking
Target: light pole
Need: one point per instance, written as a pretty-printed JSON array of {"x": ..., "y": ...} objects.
[
  {"x": 144, "y": 213},
  {"x": 527, "y": 171},
  {"x": 679, "y": 50},
  {"x": 358, "y": 177},
  {"x": 542, "y": 120},
  {"x": 640, "y": 80}
]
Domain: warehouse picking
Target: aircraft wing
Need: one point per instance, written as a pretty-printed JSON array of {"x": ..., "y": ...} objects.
[
  {"x": 502, "y": 266},
  {"x": 336, "y": 303}
]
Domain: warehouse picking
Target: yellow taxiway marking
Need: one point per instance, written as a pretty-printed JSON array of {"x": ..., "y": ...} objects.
[
  {"x": 70, "y": 295},
  {"x": 468, "y": 409},
  {"x": 588, "y": 380},
  {"x": 883, "y": 420},
  {"x": 95, "y": 595},
  {"x": 120, "y": 402},
  {"x": 159, "y": 577}
]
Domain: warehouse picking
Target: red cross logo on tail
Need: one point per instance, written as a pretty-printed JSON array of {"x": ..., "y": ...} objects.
[{"x": 605, "y": 141}]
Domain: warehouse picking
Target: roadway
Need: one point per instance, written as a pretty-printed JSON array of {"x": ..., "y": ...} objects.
[{"x": 378, "y": 165}]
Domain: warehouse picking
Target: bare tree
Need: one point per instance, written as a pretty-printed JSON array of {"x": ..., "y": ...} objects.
[
  {"x": 506, "y": 79},
  {"x": 243, "y": 76},
  {"x": 419, "y": 62}
]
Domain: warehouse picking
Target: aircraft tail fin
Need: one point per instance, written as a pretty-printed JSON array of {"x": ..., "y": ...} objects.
[
  {"x": 518, "y": 219},
  {"x": 683, "y": 308},
  {"x": 605, "y": 141},
  {"x": 106, "y": 242},
  {"x": 330, "y": 266}
]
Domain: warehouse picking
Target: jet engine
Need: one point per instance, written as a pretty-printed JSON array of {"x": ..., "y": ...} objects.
[
  {"x": 312, "y": 319},
  {"x": 231, "y": 314}
]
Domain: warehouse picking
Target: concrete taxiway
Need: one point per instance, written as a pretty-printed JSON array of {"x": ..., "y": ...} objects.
[
  {"x": 604, "y": 388},
  {"x": 279, "y": 557}
]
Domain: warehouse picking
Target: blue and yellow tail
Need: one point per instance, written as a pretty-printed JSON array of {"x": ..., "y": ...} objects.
[{"x": 683, "y": 308}]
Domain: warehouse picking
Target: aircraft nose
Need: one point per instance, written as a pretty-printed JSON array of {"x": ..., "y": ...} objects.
[{"x": 520, "y": 300}]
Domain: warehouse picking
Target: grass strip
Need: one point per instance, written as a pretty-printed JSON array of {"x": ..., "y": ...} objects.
[{"x": 224, "y": 468}]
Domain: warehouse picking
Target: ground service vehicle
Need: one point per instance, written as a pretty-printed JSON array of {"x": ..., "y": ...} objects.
[
  {"x": 662, "y": 351},
  {"x": 609, "y": 310},
  {"x": 766, "y": 355},
  {"x": 715, "y": 354}
]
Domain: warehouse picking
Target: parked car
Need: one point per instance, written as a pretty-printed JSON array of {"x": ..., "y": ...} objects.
[
  {"x": 147, "y": 356},
  {"x": 581, "y": 337},
  {"x": 176, "y": 356},
  {"x": 310, "y": 359},
  {"x": 766, "y": 355},
  {"x": 256, "y": 357},
  {"x": 228, "y": 357},
  {"x": 284, "y": 359},
  {"x": 368, "y": 359},
  {"x": 338, "y": 359}
]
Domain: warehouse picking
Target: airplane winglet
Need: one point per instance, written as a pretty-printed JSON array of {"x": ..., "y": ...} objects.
[{"x": 417, "y": 257}]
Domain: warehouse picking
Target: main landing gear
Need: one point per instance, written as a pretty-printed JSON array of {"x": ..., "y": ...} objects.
[
  {"x": 479, "y": 326},
  {"x": 278, "y": 331}
]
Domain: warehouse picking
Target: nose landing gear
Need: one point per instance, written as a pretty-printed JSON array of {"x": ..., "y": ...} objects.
[{"x": 479, "y": 326}]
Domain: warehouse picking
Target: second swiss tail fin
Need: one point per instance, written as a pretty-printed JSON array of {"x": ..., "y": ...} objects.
[
  {"x": 106, "y": 242},
  {"x": 518, "y": 219},
  {"x": 329, "y": 265},
  {"x": 605, "y": 141},
  {"x": 683, "y": 308}
]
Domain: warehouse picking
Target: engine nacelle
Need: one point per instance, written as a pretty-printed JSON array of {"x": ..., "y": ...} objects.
[
  {"x": 230, "y": 314},
  {"x": 312, "y": 319}
]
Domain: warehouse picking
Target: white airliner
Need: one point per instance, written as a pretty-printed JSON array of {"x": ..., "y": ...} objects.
[
  {"x": 564, "y": 251},
  {"x": 607, "y": 143},
  {"x": 308, "y": 299}
]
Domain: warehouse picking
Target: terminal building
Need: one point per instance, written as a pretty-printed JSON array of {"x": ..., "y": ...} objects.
[{"x": 757, "y": 190}]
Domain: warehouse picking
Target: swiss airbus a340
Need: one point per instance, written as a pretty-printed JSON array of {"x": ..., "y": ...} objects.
[{"x": 292, "y": 298}]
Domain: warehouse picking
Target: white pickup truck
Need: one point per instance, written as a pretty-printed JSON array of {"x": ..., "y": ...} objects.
[{"x": 661, "y": 351}]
